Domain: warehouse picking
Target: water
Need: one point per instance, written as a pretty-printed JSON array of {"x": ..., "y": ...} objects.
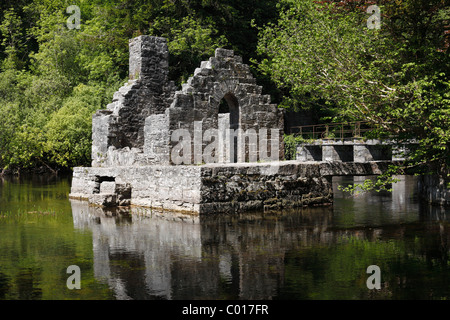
[{"x": 310, "y": 253}]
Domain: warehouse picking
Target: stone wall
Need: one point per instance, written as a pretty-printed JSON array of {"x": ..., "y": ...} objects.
[
  {"x": 157, "y": 139},
  {"x": 120, "y": 128},
  {"x": 237, "y": 188},
  {"x": 223, "y": 77},
  {"x": 137, "y": 127},
  {"x": 175, "y": 188},
  {"x": 348, "y": 151},
  {"x": 216, "y": 188},
  {"x": 204, "y": 189}
]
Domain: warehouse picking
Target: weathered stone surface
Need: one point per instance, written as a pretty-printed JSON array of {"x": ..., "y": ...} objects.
[
  {"x": 103, "y": 200},
  {"x": 170, "y": 187},
  {"x": 354, "y": 168},
  {"x": 216, "y": 188},
  {"x": 136, "y": 128},
  {"x": 108, "y": 187},
  {"x": 231, "y": 189},
  {"x": 157, "y": 139},
  {"x": 148, "y": 92},
  {"x": 372, "y": 152},
  {"x": 353, "y": 150}
]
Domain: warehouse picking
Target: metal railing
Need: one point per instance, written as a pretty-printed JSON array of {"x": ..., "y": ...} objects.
[{"x": 337, "y": 131}]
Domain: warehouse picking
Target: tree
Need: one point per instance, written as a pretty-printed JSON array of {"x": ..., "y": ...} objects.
[
  {"x": 11, "y": 32},
  {"x": 396, "y": 81},
  {"x": 69, "y": 130},
  {"x": 46, "y": 70}
]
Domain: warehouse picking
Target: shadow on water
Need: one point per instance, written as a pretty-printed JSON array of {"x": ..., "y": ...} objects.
[{"x": 309, "y": 253}]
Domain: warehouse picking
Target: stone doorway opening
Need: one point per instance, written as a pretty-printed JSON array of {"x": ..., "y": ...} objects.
[
  {"x": 229, "y": 123},
  {"x": 109, "y": 193}
]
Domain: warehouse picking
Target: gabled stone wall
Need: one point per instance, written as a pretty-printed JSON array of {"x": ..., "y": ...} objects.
[{"x": 223, "y": 76}]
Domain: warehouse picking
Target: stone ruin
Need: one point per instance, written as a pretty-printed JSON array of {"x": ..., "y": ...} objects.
[
  {"x": 138, "y": 127},
  {"x": 137, "y": 138}
]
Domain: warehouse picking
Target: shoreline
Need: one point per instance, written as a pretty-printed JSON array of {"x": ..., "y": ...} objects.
[{"x": 34, "y": 170}]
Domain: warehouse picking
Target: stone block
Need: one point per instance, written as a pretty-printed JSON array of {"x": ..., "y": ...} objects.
[
  {"x": 192, "y": 196},
  {"x": 372, "y": 152},
  {"x": 108, "y": 187},
  {"x": 223, "y": 53}
]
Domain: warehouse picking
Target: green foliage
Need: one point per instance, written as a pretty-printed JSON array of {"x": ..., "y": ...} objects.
[
  {"x": 291, "y": 142},
  {"x": 52, "y": 79},
  {"x": 394, "y": 77},
  {"x": 313, "y": 55},
  {"x": 381, "y": 183},
  {"x": 11, "y": 31},
  {"x": 189, "y": 44},
  {"x": 68, "y": 132}
]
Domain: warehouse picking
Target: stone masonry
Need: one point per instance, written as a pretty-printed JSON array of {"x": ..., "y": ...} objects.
[
  {"x": 216, "y": 188},
  {"x": 136, "y": 128},
  {"x": 118, "y": 131},
  {"x": 136, "y": 137},
  {"x": 355, "y": 150}
]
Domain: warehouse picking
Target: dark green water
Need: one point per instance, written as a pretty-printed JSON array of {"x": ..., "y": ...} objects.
[{"x": 310, "y": 253}]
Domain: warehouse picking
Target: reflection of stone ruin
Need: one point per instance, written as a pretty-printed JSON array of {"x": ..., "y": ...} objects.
[
  {"x": 225, "y": 131},
  {"x": 136, "y": 129},
  {"x": 242, "y": 256},
  {"x": 171, "y": 255}
]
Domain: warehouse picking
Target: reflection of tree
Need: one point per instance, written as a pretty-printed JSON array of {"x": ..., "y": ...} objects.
[
  {"x": 413, "y": 260},
  {"x": 5, "y": 286},
  {"x": 26, "y": 281}
]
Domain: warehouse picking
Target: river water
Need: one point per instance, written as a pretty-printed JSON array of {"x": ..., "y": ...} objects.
[{"x": 309, "y": 253}]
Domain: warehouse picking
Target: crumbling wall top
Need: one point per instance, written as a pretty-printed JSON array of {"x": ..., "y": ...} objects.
[
  {"x": 149, "y": 59},
  {"x": 139, "y": 125}
]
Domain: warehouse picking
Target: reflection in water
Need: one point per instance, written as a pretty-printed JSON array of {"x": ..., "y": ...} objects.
[
  {"x": 309, "y": 253},
  {"x": 177, "y": 258},
  {"x": 371, "y": 209},
  {"x": 132, "y": 251}
]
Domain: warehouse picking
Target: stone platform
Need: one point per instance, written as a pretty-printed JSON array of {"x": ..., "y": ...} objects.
[{"x": 216, "y": 188}]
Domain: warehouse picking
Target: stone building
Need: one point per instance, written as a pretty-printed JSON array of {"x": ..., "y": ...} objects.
[
  {"x": 143, "y": 124},
  {"x": 148, "y": 143}
]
